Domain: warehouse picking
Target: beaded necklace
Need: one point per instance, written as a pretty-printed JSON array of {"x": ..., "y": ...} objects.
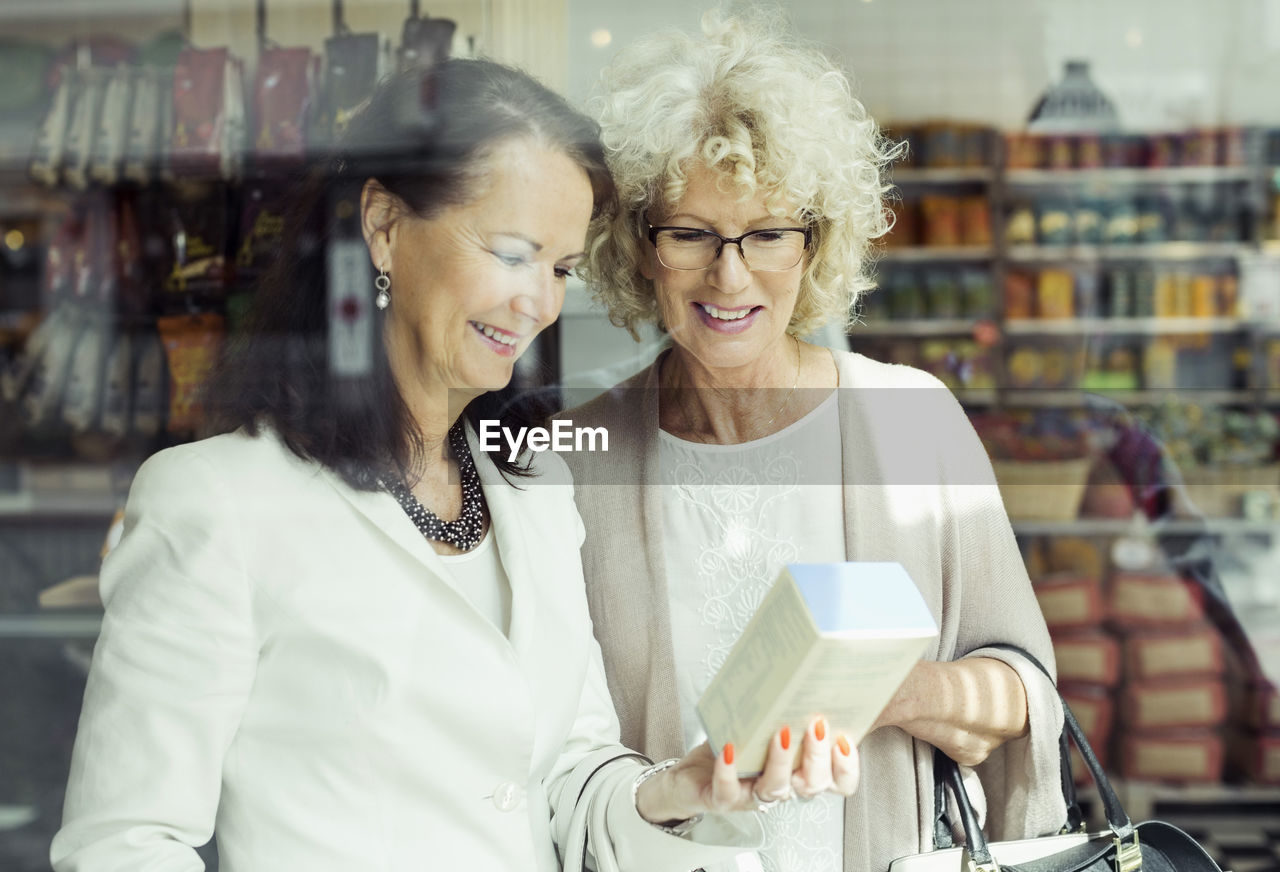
[{"x": 464, "y": 533}]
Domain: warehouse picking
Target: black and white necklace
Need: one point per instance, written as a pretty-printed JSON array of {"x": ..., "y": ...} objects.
[{"x": 464, "y": 533}]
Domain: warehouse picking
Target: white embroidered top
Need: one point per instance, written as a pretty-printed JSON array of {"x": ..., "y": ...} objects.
[{"x": 733, "y": 517}]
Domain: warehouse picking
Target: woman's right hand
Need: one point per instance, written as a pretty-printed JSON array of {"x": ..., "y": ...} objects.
[{"x": 704, "y": 781}]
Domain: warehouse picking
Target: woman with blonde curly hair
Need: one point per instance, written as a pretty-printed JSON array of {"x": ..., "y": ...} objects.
[{"x": 751, "y": 190}]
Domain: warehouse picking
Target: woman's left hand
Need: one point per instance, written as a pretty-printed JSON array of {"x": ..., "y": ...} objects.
[{"x": 704, "y": 781}]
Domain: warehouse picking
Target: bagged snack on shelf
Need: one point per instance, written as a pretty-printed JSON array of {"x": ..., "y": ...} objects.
[
  {"x": 1199, "y": 148},
  {"x": 1023, "y": 151},
  {"x": 1054, "y": 221},
  {"x": 199, "y": 225},
  {"x": 978, "y": 293},
  {"x": 150, "y": 396},
  {"x": 1121, "y": 227},
  {"x": 51, "y": 137},
  {"x": 152, "y": 90},
  {"x": 1020, "y": 225},
  {"x": 425, "y": 41},
  {"x": 1089, "y": 219},
  {"x": 942, "y": 291},
  {"x": 117, "y": 387},
  {"x": 352, "y": 67},
  {"x": 1060, "y": 152},
  {"x": 261, "y": 226},
  {"x": 208, "y": 114},
  {"x": 82, "y": 398},
  {"x": 282, "y": 100},
  {"x": 107, "y": 156},
  {"x": 83, "y": 126},
  {"x": 41, "y": 396},
  {"x": 191, "y": 345}
]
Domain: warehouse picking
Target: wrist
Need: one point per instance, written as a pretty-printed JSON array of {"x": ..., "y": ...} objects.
[{"x": 655, "y": 799}]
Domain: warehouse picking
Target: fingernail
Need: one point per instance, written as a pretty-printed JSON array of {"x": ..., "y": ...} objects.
[
  {"x": 820, "y": 729},
  {"x": 728, "y": 753},
  {"x": 843, "y": 744},
  {"x": 785, "y": 738}
]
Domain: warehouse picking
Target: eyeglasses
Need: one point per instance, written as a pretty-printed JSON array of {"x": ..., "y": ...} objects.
[{"x": 774, "y": 248}]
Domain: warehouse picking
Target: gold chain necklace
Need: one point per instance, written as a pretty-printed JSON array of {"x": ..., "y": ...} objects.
[{"x": 688, "y": 422}]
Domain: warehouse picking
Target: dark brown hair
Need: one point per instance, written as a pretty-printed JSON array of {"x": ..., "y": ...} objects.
[{"x": 424, "y": 136}]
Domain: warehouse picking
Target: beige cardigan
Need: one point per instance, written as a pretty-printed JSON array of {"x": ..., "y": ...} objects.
[{"x": 918, "y": 489}]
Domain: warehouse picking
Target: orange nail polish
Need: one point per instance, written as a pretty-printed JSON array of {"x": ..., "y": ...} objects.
[
  {"x": 785, "y": 738},
  {"x": 820, "y": 730},
  {"x": 728, "y": 753},
  {"x": 843, "y": 744}
]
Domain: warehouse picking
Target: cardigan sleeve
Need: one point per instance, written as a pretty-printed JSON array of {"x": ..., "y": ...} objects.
[
  {"x": 171, "y": 675},
  {"x": 987, "y": 579}
]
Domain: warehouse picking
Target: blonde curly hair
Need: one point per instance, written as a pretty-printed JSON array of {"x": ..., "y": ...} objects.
[{"x": 775, "y": 115}]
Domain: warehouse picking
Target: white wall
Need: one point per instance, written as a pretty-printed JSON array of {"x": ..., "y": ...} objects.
[{"x": 1167, "y": 63}]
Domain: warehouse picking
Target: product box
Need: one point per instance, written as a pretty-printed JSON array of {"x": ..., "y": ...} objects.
[
  {"x": 1153, "y": 600},
  {"x": 1155, "y": 654},
  {"x": 1070, "y": 601},
  {"x": 831, "y": 639},
  {"x": 1183, "y": 756},
  {"x": 1087, "y": 657},
  {"x": 1193, "y": 702}
]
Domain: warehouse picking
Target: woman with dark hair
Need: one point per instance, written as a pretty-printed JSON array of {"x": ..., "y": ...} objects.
[{"x": 299, "y": 651}]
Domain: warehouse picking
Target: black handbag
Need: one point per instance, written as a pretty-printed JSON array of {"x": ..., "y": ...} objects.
[{"x": 1150, "y": 846}]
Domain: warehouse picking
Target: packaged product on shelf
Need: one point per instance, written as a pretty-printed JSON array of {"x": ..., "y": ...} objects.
[
  {"x": 113, "y": 127},
  {"x": 1022, "y": 151},
  {"x": 152, "y": 90},
  {"x": 906, "y": 296},
  {"x": 1184, "y": 756},
  {"x": 1060, "y": 152},
  {"x": 1069, "y": 601},
  {"x": 1076, "y": 555},
  {"x": 83, "y": 126},
  {"x": 1119, "y": 292},
  {"x": 1174, "y": 702},
  {"x": 41, "y": 396},
  {"x": 975, "y": 221},
  {"x": 1054, "y": 221},
  {"x": 1087, "y": 657},
  {"x": 905, "y": 230},
  {"x": 1055, "y": 293},
  {"x": 1019, "y": 295},
  {"x": 942, "y": 291},
  {"x": 1204, "y": 296},
  {"x": 1140, "y": 599},
  {"x": 199, "y": 224},
  {"x": 117, "y": 389},
  {"x": 261, "y": 225},
  {"x": 1191, "y": 651},
  {"x": 1089, "y": 151},
  {"x": 1162, "y": 150},
  {"x": 1153, "y": 217},
  {"x": 1160, "y": 365},
  {"x": 1234, "y": 147},
  {"x": 1024, "y": 367},
  {"x": 1121, "y": 227},
  {"x": 1088, "y": 293},
  {"x": 1020, "y": 226},
  {"x": 208, "y": 114},
  {"x": 51, "y": 136},
  {"x": 1090, "y": 217},
  {"x": 1144, "y": 292},
  {"x": 1120, "y": 150},
  {"x": 191, "y": 345},
  {"x": 1199, "y": 148},
  {"x": 149, "y": 386},
  {"x": 941, "y": 220},
  {"x": 978, "y": 293},
  {"x": 352, "y": 62},
  {"x": 82, "y": 398},
  {"x": 283, "y": 91}
]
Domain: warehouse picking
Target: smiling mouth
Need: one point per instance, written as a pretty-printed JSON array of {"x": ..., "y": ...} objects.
[
  {"x": 727, "y": 314},
  {"x": 495, "y": 334}
]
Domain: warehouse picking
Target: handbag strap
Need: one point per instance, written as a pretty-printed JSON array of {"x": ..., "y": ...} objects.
[{"x": 947, "y": 772}]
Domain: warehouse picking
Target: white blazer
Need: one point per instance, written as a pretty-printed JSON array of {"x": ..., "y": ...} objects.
[{"x": 285, "y": 657}]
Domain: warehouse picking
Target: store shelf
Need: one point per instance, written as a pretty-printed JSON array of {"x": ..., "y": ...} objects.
[
  {"x": 29, "y": 506},
  {"x": 50, "y": 626},
  {"x": 942, "y": 175},
  {"x": 1137, "y": 251},
  {"x": 1122, "y": 527},
  {"x": 919, "y": 327},
  {"x": 931, "y": 253},
  {"x": 1131, "y": 176},
  {"x": 1036, "y": 398},
  {"x": 1130, "y": 326}
]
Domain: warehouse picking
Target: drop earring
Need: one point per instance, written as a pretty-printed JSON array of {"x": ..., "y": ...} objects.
[{"x": 383, "y": 284}]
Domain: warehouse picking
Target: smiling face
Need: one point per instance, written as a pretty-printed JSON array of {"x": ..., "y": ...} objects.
[
  {"x": 472, "y": 285},
  {"x": 726, "y": 316}
]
